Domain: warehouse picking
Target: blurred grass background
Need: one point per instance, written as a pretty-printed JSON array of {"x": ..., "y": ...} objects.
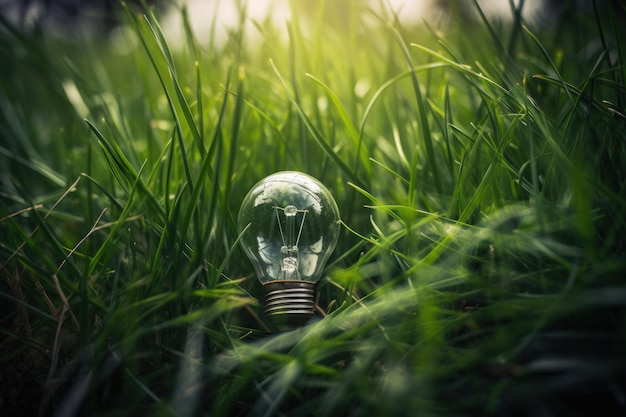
[{"x": 477, "y": 161}]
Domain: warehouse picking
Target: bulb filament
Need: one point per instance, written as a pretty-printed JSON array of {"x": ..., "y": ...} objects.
[{"x": 290, "y": 258}]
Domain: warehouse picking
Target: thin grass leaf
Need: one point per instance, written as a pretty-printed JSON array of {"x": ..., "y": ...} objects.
[
  {"x": 421, "y": 108},
  {"x": 317, "y": 136},
  {"x": 146, "y": 34},
  {"x": 351, "y": 129},
  {"x": 105, "y": 248},
  {"x": 123, "y": 169}
]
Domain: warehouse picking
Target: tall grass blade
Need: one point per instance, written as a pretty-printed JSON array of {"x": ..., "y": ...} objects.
[
  {"x": 316, "y": 135},
  {"x": 422, "y": 114}
]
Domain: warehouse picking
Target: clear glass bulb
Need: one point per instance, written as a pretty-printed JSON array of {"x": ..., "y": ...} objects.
[{"x": 290, "y": 225}]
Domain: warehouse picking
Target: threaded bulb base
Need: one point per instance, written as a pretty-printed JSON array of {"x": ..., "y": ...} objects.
[{"x": 289, "y": 304}]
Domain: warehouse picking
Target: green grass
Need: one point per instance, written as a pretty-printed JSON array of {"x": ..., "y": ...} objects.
[{"x": 478, "y": 166}]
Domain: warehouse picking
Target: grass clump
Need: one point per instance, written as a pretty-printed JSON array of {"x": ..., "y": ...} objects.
[{"x": 478, "y": 165}]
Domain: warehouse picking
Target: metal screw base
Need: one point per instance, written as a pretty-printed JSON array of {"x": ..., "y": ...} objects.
[{"x": 289, "y": 304}]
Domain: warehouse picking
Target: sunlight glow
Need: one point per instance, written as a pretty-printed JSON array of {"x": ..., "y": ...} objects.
[{"x": 202, "y": 13}]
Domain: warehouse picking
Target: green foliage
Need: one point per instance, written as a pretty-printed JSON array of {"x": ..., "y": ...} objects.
[{"x": 478, "y": 166}]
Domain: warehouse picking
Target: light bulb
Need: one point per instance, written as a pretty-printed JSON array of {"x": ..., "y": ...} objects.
[{"x": 290, "y": 225}]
